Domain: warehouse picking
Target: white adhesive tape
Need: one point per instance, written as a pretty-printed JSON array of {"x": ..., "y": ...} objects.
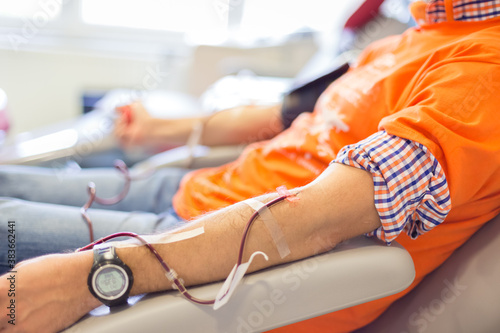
[
  {"x": 162, "y": 238},
  {"x": 271, "y": 224}
]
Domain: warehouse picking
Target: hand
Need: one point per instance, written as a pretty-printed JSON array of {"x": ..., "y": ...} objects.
[
  {"x": 133, "y": 127},
  {"x": 50, "y": 293}
]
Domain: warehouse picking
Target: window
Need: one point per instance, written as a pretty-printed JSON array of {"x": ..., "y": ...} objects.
[
  {"x": 40, "y": 10},
  {"x": 171, "y": 15},
  {"x": 272, "y": 18},
  {"x": 207, "y": 20},
  {"x": 98, "y": 23}
]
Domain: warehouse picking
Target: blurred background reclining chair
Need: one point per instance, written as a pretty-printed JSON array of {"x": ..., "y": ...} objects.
[{"x": 88, "y": 140}]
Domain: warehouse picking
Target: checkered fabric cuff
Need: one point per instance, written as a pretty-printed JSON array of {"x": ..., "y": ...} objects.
[
  {"x": 411, "y": 192},
  {"x": 463, "y": 10}
]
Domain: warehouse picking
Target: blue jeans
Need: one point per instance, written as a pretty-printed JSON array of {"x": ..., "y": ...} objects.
[{"x": 43, "y": 206}]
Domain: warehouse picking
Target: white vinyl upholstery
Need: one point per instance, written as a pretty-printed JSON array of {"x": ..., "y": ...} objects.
[{"x": 462, "y": 295}]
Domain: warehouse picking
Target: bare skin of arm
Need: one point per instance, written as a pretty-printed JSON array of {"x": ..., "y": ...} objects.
[
  {"x": 337, "y": 206},
  {"x": 238, "y": 125}
]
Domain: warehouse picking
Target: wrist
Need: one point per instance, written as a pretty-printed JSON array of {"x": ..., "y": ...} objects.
[
  {"x": 79, "y": 266},
  {"x": 68, "y": 279},
  {"x": 148, "y": 274}
]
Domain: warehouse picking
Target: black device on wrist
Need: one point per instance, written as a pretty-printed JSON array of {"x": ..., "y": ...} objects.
[{"x": 110, "y": 280}]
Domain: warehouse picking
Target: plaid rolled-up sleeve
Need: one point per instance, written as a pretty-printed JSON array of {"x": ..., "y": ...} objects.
[{"x": 411, "y": 192}]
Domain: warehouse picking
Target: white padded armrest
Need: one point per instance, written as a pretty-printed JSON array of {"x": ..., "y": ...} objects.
[
  {"x": 355, "y": 272},
  {"x": 78, "y": 137}
]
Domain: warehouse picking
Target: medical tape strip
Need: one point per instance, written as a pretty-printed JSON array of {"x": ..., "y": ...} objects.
[
  {"x": 163, "y": 238},
  {"x": 271, "y": 224},
  {"x": 194, "y": 140},
  {"x": 233, "y": 280}
]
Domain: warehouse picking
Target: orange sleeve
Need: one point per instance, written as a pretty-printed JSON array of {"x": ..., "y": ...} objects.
[{"x": 452, "y": 108}]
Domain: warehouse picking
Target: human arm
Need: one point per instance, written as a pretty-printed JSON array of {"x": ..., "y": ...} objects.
[
  {"x": 325, "y": 214},
  {"x": 238, "y": 125}
]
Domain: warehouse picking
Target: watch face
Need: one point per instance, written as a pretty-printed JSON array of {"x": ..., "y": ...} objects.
[{"x": 110, "y": 282}]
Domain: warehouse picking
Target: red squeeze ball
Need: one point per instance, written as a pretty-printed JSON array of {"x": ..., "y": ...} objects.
[{"x": 126, "y": 112}]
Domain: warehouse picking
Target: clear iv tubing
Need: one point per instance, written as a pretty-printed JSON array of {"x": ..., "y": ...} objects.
[{"x": 169, "y": 272}]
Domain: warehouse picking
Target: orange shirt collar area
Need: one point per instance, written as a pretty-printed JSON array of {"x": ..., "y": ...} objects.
[{"x": 436, "y": 11}]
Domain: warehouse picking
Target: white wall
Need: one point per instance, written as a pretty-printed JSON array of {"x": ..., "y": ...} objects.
[{"x": 44, "y": 88}]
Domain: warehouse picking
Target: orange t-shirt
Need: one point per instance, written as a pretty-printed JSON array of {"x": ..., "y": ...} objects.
[{"x": 437, "y": 85}]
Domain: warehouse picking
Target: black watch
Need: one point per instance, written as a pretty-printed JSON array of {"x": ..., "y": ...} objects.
[{"x": 110, "y": 280}]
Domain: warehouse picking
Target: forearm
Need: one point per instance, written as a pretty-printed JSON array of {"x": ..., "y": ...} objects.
[
  {"x": 337, "y": 206},
  {"x": 239, "y": 125},
  {"x": 243, "y": 125}
]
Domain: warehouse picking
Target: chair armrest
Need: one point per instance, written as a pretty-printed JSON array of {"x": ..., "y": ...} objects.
[
  {"x": 357, "y": 271},
  {"x": 73, "y": 138},
  {"x": 192, "y": 158},
  {"x": 461, "y": 295}
]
